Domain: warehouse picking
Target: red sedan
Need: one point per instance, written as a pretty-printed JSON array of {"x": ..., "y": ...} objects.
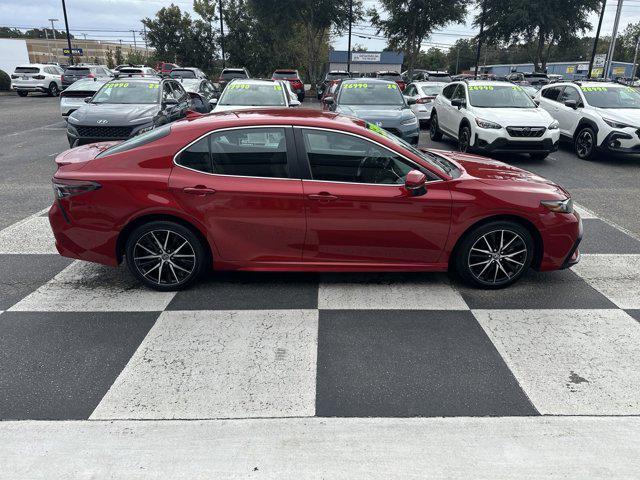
[{"x": 303, "y": 190}]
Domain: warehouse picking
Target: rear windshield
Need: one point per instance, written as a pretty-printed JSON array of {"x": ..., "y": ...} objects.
[
  {"x": 138, "y": 141},
  {"x": 124, "y": 92},
  {"x": 337, "y": 76},
  {"x": 88, "y": 85},
  {"x": 228, "y": 75},
  {"x": 27, "y": 70},
  {"x": 182, "y": 74},
  {"x": 130, "y": 70},
  {"x": 253, "y": 95},
  {"x": 440, "y": 76},
  {"x": 434, "y": 89},
  {"x": 285, "y": 74},
  {"x": 390, "y": 76},
  {"x": 363, "y": 93},
  {"x": 78, "y": 71}
]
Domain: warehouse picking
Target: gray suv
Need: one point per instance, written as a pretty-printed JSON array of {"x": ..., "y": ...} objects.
[{"x": 76, "y": 72}]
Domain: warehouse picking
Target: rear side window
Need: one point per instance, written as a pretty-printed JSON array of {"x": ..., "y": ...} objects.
[
  {"x": 551, "y": 93},
  {"x": 197, "y": 156},
  {"x": 138, "y": 141},
  {"x": 27, "y": 70}
]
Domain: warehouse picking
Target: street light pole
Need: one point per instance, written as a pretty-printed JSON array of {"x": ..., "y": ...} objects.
[
  {"x": 222, "y": 36},
  {"x": 595, "y": 41},
  {"x": 635, "y": 59},
  {"x": 53, "y": 27},
  {"x": 349, "y": 43},
  {"x": 66, "y": 25},
  {"x": 484, "y": 10}
]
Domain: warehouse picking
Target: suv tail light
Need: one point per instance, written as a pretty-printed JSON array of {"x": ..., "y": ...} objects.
[
  {"x": 91, "y": 75},
  {"x": 69, "y": 188},
  {"x": 38, "y": 77},
  {"x": 428, "y": 99}
]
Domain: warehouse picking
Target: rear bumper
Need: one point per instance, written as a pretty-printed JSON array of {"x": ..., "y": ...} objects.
[{"x": 30, "y": 87}]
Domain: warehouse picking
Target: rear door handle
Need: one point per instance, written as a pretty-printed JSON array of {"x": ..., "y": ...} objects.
[
  {"x": 199, "y": 190},
  {"x": 322, "y": 197}
]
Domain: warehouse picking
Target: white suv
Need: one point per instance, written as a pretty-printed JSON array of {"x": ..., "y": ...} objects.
[
  {"x": 493, "y": 117},
  {"x": 595, "y": 116},
  {"x": 37, "y": 77}
]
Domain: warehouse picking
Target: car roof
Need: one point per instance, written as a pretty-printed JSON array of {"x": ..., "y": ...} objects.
[
  {"x": 141, "y": 79},
  {"x": 368, "y": 80},
  {"x": 32, "y": 65},
  {"x": 233, "y": 70},
  {"x": 423, "y": 83},
  {"x": 586, "y": 84},
  {"x": 492, "y": 83},
  {"x": 253, "y": 80}
]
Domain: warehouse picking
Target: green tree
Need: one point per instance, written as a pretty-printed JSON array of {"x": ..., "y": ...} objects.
[
  {"x": 118, "y": 57},
  {"x": 109, "y": 56},
  {"x": 541, "y": 22},
  {"x": 408, "y": 23},
  {"x": 8, "y": 32},
  {"x": 433, "y": 59},
  {"x": 461, "y": 55}
]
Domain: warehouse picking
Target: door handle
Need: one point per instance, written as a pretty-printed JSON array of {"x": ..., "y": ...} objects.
[
  {"x": 199, "y": 190},
  {"x": 322, "y": 197}
]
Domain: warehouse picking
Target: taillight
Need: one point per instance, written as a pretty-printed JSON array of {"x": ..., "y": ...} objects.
[
  {"x": 91, "y": 75},
  {"x": 425, "y": 100},
  {"x": 38, "y": 77},
  {"x": 15, "y": 76},
  {"x": 62, "y": 78},
  {"x": 69, "y": 188}
]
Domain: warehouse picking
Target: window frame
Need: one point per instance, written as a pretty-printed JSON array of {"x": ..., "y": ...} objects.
[
  {"x": 291, "y": 154},
  {"x": 305, "y": 165}
]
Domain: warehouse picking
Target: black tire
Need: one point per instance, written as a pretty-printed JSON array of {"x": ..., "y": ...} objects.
[
  {"x": 22, "y": 93},
  {"x": 538, "y": 156},
  {"x": 434, "y": 128},
  {"x": 424, "y": 124},
  {"x": 53, "y": 90},
  {"x": 585, "y": 143},
  {"x": 150, "y": 240},
  {"x": 493, "y": 271},
  {"x": 464, "y": 139}
]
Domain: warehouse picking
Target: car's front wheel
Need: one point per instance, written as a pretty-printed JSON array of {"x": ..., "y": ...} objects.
[
  {"x": 165, "y": 255},
  {"x": 585, "y": 143},
  {"x": 494, "y": 255},
  {"x": 22, "y": 93},
  {"x": 434, "y": 128},
  {"x": 464, "y": 139}
]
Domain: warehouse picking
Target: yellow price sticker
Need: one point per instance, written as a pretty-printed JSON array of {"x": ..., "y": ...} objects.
[
  {"x": 154, "y": 85},
  {"x": 119, "y": 85},
  {"x": 392, "y": 86},
  {"x": 480, "y": 87},
  {"x": 239, "y": 86},
  {"x": 277, "y": 87},
  {"x": 356, "y": 85},
  {"x": 594, "y": 89}
]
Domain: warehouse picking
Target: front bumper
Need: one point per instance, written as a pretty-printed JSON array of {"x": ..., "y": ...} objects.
[
  {"x": 502, "y": 144},
  {"x": 619, "y": 141}
]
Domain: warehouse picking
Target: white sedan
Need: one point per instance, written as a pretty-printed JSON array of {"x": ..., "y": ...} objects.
[
  {"x": 424, "y": 93},
  {"x": 246, "y": 94}
]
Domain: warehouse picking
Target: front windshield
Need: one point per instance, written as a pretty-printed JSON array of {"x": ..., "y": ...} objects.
[
  {"x": 253, "y": 95},
  {"x": 612, "y": 97},
  {"x": 354, "y": 93},
  {"x": 438, "y": 162},
  {"x": 182, "y": 74},
  {"x": 128, "y": 93},
  {"x": 499, "y": 96}
]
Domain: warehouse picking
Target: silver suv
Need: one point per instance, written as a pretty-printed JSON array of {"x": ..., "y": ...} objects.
[{"x": 37, "y": 77}]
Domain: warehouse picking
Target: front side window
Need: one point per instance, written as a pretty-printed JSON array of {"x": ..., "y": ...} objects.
[
  {"x": 499, "y": 96},
  {"x": 459, "y": 93},
  {"x": 612, "y": 97},
  {"x": 447, "y": 91},
  {"x": 124, "y": 92},
  {"x": 339, "y": 157},
  {"x": 253, "y": 95},
  {"x": 375, "y": 93},
  {"x": 570, "y": 93}
]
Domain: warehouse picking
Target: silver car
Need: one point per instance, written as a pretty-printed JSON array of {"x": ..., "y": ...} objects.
[
  {"x": 423, "y": 94},
  {"x": 75, "y": 94}
]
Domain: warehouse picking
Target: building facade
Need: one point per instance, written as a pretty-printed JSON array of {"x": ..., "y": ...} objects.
[
  {"x": 42, "y": 50},
  {"x": 569, "y": 70},
  {"x": 366, "y": 62}
]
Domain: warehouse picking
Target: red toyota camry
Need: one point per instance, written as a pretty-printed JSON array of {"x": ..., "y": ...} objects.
[{"x": 302, "y": 190}]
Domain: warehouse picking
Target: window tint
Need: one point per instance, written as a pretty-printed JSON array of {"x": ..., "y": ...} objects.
[
  {"x": 178, "y": 91},
  {"x": 447, "y": 91},
  {"x": 339, "y": 157},
  {"x": 459, "y": 93},
  {"x": 551, "y": 93},
  {"x": 570, "y": 93},
  {"x": 251, "y": 152},
  {"x": 410, "y": 91},
  {"x": 27, "y": 70},
  {"x": 197, "y": 156}
]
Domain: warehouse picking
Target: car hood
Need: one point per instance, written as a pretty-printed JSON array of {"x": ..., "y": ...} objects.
[
  {"x": 114, "y": 114},
  {"x": 516, "y": 117},
  {"x": 373, "y": 113},
  {"x": 630, "y": 116}
]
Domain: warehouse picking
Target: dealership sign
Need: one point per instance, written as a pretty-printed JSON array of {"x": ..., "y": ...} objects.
[
  {"x": 74, "y": 51},
  {"x": 365, "y": 57},
  {"x": 599, "y": 60}
]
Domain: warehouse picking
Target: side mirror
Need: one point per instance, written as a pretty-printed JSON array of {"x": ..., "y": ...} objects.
[
  {"x": 169, "y": 102},
  {"x": 294, "y": 102},
  {"x": 410, "y": 100},
  {"x": 537, "y": 102},
  {"x": 87, "y": 99},
  {"x": 415, "y": 183},
  {"x": 213, "y": 102},
  {"x": 328, "y": 100},
  {"x": 571, "y": 104},
  {"x": 458, "y": 102}
]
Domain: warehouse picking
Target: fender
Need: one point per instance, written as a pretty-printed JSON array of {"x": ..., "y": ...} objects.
[{"x": 584, "y": 122}]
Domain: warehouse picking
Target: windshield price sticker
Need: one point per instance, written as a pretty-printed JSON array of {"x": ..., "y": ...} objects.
[
  {"x": 377, "y": 129},
  {"x": 277, "y": 88},
  {"x": 480, "y": 87},
  {"x": 356, "y": 85},
  {"x": 119, "y": 85},
  {"x": 594, "y": 89},
  {"x": 392, "y": 86},
  {"x": 239, "y": 86},
  {"x": 154, "y": 85},
  {"x": 517, "y": 88}
]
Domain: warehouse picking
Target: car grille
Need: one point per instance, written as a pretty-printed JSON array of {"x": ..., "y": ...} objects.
[
  {"x": 527, "y": 132},
  {"x": 104, "y": 132}
]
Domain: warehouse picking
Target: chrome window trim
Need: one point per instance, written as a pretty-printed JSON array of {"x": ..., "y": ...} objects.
[
  {"x": 175, "y": 162},
  {"x": 411, "y": 162}
]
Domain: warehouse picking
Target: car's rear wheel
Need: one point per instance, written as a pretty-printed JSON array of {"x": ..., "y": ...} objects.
[
  {"x": 538, "y": 156},
  {"x": 165, "y": 255},
  {"x": 494, "y": 255},
  {"x": 434, "y": 128},
  {"x": 53, "y": 90},
  {"x": 464, "y": 139},
  {"x": 585, "y": 143},
  {"x": 22, "y": 93}
]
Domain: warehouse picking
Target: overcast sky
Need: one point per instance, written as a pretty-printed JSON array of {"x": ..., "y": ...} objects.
[{"x": 124, "y": 15}]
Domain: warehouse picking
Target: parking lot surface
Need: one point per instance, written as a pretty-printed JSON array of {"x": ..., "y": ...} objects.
[{"x": 243, "y": 356}]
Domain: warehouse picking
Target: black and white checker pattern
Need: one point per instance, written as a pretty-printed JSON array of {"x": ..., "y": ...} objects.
[{"x": 83, "y": 341}]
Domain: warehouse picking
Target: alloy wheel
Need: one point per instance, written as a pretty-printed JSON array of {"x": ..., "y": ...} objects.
[
  {"x": 584, "y": 144},
  {"x": 497, "y": 256},
  {"x": 463, "y": 142},
  {"x": 164, "y": 257},
  {"x": 54, "y": 90}
]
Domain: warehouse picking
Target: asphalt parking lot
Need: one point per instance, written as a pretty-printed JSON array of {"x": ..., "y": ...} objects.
[{"x": 316, "y": 354}]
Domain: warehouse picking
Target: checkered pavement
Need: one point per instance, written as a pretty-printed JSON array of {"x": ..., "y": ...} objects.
[{"x": 83, "y": 341}]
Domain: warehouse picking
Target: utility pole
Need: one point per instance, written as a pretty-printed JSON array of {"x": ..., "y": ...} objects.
[
  {"x": 53, "y": 27},
  {"x": 635, "y": 59},
  {"x": 146, "y": 45},
  {"x": 222, "y": 35},
  {"x": 484, "y": 10},
  {"x": 349, "y": 43},
  {"x": 46, "y": 34},
  {"x": 135, "y": 46},
  {"x": 595, "y": 41},
  {"x": 614, "y": 34},
  {"x": 458, "y": 60},
  {"x": 66, "y": 25}
]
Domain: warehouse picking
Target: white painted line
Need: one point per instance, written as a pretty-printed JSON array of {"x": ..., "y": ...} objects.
[
  {"x": 616, "y": 276},
  {"x": 89, "y": 287},
  {"x": 511, "y": 448},
  {"x": 220, "y": 364},
  {"x": 33, "y": 236},
  {"x": 584, "y": 212},
  {"x": 570, "y": 362},
  {"x": 434, "y": 293},
  {"x": 591, "y": 214},
  {"x": 25, "y": 220}
]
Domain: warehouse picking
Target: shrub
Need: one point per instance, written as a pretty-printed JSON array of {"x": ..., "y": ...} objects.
[{"x": 5, "y": 81}]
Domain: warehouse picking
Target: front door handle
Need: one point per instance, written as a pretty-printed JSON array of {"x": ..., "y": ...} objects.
[
  {"x": 322, "y": 197},
  {"x": 199, "y": 190}
]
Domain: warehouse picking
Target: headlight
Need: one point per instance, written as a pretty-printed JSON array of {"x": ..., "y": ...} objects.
[
  {"x": 614, "y": 124},
  {"x": 554, "y": 126},
  {"x": 409, "y": 121},
  {"x": 558, "y": 206},
  {"x": 487, "y": 124}
]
